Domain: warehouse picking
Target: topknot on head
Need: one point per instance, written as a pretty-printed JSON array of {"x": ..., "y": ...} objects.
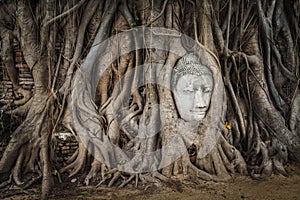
[{"x": 189, "y": 64}]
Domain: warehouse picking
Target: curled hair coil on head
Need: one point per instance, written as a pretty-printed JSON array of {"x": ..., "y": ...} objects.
[{"x": 189, "y": 64}]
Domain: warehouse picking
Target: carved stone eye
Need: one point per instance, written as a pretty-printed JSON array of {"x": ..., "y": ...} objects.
[
  {"x": 206, "y": 90},
  {"x": 188, "y": 90}
]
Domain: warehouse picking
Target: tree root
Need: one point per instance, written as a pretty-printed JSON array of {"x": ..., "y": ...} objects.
[
  {"x": 222, "y": 161},
  {"x": 7, "y": 182},
  {"x": 94, "y": 172},
  {"x": 78, "y": 163},
  {"x": 33, "y": 180},
  {"x": 14, "y": 192},
  {"x": 128, "y": 180},
  {"x": 21, "y": 110},
  {"x": 273, "y": 159},
  {"x": 16, "y": 172},
  {"x": 208, "y": 177},
  {"x": 121, "y": 179},
  {"x": 113, "y": 173},
  {"x": 15, "y": 177},
  {"x": 26, "y": 95},
  {"x": 111, "y": 177}
]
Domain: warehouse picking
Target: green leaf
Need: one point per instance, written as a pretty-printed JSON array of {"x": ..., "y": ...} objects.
[
  {"x": 119, "y": 182},
  {"x": 18, "y": 12},
  {"x": 133, "y": 24},
  {"x": 84, "y": 193},
  {"x": 122, "y": 162},
  {"x": 78, "y": 183},
  {"x": 106, "y": 173}
]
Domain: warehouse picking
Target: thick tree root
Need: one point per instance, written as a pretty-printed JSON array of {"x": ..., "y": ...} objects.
[
  {"x": 22, "y": 178},
  {"x": 26, "y": 95},
  {"x": 273, "y": 160},
  {"x": 94, "y": 172},
  {"x": 78, "y": 164},
  {"x": 23, "y": 104},
  {"x": 21, "y": 110}
]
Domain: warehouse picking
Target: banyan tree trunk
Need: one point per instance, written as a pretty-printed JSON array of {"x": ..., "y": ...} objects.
[{"x": 103, "y": 70}]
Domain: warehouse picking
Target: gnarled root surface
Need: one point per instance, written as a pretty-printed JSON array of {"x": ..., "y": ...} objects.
[{"x": 26, "y": 159}]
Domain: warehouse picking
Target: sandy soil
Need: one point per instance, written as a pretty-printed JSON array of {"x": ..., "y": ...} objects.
[{"x": 273, "y": 188}]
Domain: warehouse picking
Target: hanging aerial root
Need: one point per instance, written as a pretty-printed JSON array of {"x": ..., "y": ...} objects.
[{"x": 16, "y": 172}]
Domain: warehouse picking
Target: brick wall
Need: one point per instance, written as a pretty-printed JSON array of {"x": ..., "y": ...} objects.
[
  {"x": 66, "y": 146},
  {"x": 25, "y": 77}
]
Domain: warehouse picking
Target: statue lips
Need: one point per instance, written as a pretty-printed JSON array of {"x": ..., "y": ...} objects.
[{"x": 198, "y": 112}]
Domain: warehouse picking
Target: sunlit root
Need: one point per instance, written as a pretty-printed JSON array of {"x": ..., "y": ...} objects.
[
  {"x": 25, "y": 94},
  {"x": 21, "y": 110}
]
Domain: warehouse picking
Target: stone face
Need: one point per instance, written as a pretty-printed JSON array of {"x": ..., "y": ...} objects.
[{"x": 192, "y": 88}]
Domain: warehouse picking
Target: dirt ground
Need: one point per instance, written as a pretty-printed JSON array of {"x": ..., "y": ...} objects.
[{"x": 273, "y": 188}]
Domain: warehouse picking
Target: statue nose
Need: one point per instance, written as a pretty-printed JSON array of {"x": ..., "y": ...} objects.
[{"x": 199, "y": 101}]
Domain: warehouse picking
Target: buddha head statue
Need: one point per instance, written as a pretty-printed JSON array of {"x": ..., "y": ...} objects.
[{"x": 192, "y": 85}]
